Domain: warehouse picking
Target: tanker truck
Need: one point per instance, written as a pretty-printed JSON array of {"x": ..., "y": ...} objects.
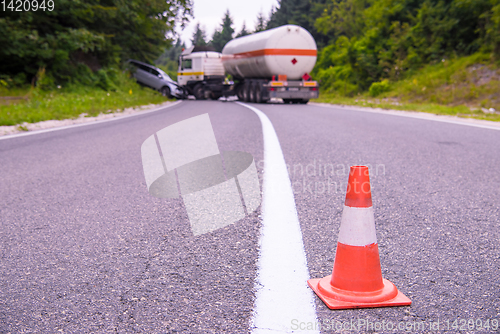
[{"x": 270, "y": 64}]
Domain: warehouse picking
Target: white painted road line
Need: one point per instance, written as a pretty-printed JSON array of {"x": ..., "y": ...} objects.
[
  {"x": 420, "y": 115},
  {"x": 30, "y": 133},
  {"x": 283, "y": 299}
]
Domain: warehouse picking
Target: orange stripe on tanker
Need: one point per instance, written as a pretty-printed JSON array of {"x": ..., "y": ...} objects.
[{"x": 273, "y": 52}]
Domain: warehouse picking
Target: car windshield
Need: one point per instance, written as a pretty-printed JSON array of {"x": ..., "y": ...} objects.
[{"x": 164, "y": 75}]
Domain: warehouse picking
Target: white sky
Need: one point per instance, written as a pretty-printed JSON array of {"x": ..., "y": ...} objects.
[{"x": 209, "y": 14}]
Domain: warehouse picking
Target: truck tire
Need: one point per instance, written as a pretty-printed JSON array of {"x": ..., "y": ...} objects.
[
  {"x": 199, "y": 92},
  {"x": 215, "y": 96},
  {"x": 239, "y": 92},
  {"x": 251, "y": 91},
  {"x": 287, "y": 101},
  {"x": 246, "y": 93},
  {"x": 258, "y": 92},
  {"x": 303, "y": 101}
]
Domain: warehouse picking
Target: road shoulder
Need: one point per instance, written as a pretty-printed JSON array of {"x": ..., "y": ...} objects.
[{"x": 419, "y": 115}]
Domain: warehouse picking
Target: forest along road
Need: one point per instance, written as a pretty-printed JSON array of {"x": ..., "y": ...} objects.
[{"x": 86, "y": 249}]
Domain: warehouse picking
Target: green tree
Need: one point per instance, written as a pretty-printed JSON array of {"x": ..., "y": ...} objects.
[
  {"x": 279, "y": 16},
  {"x": 300, "y": 12},
  {"x": 491, "y": 36},
  {"x": 199, "y": 36},
  {"x": 243, "y": 31},
  {"x": 168, "y": 61},
  {"x": 390, "y": 38},
  {"x": 172, "y": 53},
  {"x": 224, "y": 34},
  {"x": 342, "y": 18},
  {"x": 270, "y": 22},
  {"x": 92, "y": 34},
  {"x": 261, "y": 22}
]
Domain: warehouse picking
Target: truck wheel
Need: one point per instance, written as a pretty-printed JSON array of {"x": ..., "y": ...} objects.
[
  {"x": 239, "y": 92},
  {"x": 303, "y": 101},
  {"x": 246, "y": 88},
  {"x": 251, "y": 91},
  {"x": 199, "y": 92},
  {"x": 165, "y": 91},
  {"x": 287, "y": 101},
  {"x": 215, "y": 96},
  {"x": 258, "y": 92}
]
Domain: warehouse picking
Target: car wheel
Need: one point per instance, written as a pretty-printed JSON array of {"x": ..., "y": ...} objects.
[
  {"x": 165, "y": 91},
  {"x": 199, "y": 92}
]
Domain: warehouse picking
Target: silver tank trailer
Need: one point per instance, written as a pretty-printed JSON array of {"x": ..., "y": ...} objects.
[{"x": 287, "y": 50}]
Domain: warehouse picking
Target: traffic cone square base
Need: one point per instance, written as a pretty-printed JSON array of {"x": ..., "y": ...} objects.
[{"x": 337, "y": 299}]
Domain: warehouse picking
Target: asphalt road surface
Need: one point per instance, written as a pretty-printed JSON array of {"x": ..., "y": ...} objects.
[{"x": 84, "y": 248}]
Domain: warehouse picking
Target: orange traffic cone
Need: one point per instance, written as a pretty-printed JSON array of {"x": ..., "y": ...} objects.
[{"x": 356, "y": 280}]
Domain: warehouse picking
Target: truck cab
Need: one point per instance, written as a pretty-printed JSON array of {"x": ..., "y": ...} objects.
[{"x": 201, "y": 72}]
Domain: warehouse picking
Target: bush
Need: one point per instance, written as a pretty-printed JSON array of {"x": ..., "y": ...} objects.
[
  {"x": 106, "y": 79},
  {"x": 378, "y": 88},
  {"x": 44, "y": 81}
]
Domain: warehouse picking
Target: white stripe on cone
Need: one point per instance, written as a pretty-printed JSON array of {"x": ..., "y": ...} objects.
[{"x": 357, "y": 227}]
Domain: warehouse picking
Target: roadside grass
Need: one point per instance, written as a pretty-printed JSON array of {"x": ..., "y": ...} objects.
[
  {"x": 432, "y": 108},
  {"x": 72, "y": 101},
  {"x": 463, "y": 87}
]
